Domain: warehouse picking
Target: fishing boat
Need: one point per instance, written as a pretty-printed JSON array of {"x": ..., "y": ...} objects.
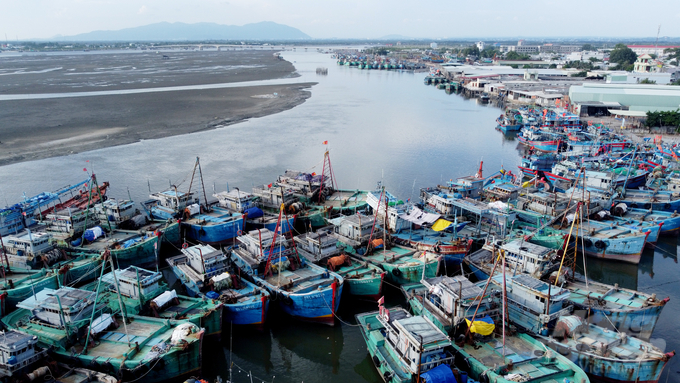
[
  {"x": 301, "y": 289},
  {"x": 403, "y": 346},
  {"x": 15, "y": 287},
  {"x": 627, "y": 310},
  {"x": 448, "y": 300},
  {"x": 247, "y": 204},
  {"x": 489, "y": 357},
  {"x": 650, "y": 199},
  {"x": 143, "y": 292},
  {"x": 539, "y": 140},
  {"x": 205, "y": 273},
  {"x": 607, "y": 355},
  {"x": 18, "y": 353},
  {"x": 128, "y": 346},
  {"x": 668, "y": 222},
  {"x": 362, "y": 279},
  {"x": 122, "y": 215}
]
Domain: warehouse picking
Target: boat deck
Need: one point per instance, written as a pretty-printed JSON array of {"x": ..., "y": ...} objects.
[
  {"x": 115, "y": 237},
  {"x": 114, "y": 344},
  {"x": 346, "y": 199},
  {"x": 305, "y": 278},
  {"x": 217, "y": 216},
  {"x": 610, "y": 297}
]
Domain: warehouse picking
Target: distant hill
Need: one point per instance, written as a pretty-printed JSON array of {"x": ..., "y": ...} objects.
[
  {"x": 396, "y": 37},
  {"x": 265, "y": 30}
]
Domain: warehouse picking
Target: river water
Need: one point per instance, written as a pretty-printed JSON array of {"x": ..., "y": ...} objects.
[{"x": 381, "y": 126}]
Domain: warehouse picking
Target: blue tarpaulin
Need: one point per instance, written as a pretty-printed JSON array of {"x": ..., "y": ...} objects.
[
  {"x": 439, "y": 374},
  {"x": 253, "y": 212}
]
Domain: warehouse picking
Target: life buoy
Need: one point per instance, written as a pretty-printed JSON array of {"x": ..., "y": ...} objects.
[
  {"x": 396, "y": 272},
  {"x": 437, "y": 249},
  {"x": 185, "y": 245},
  {"x": 600, "y": 245},
  {"x": 239, "y": 233}
]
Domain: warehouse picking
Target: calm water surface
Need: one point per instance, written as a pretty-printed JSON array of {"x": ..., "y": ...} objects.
[{"x": 380, "y": 126}]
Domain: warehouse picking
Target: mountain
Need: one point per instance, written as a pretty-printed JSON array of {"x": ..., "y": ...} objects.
[
  {"x": 396, "y": 37},
  {"x": 164, "y": 31}
]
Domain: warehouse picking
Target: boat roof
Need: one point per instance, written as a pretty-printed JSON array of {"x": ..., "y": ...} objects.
[
  {"x": 12, "y": 340},
  {"x": 520, "y": 245},
  {"x": 122, "y": 204},
  {"x": 69, "y": 298},
  {"x": 458, "y": 285},
  {"x": 418, "y": 327},
  {"x": 130, "y": 275},
  {"x": 205, "y": 251},
  {"x": 27, "y": 236},
  {"x": 235, "y": 194},
  {"x": 537, "y": 285}
]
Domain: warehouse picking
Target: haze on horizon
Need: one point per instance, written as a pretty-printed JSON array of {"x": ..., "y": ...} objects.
[{"x": 44, "y": 19}]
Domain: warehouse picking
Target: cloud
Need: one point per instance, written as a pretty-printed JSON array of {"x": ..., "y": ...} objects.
[{"x": 144, "y": 9}]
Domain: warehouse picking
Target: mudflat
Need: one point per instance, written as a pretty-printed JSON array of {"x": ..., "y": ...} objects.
[{"x": 39, "y": 128}]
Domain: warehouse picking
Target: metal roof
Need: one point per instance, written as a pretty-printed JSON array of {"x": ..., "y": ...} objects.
[{"x": 419, "y": 327}]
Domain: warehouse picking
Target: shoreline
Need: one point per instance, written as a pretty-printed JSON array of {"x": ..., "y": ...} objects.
[{"x": 49, "y": 127}]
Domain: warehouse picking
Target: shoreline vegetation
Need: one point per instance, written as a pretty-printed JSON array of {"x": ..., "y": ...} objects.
[{"x": 42, "y": 128}]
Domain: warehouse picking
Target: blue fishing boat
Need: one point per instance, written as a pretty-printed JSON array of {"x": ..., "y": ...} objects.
[
  {"x": 668, "y": 222},
  {"x": 301, "y": 289},
  {"x": 544, "y": 310},
  {"x": 255, "y": 218},
  {"x": 650, "y": 199},
  {"x": 627, "y": 310},
  {"x": 204, "y": 271}
]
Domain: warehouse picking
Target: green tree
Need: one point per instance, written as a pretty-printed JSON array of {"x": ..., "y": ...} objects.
[
  {"x": 472, "y": 50},
  {"x": 622, "y": 55},
  {"x": 490, "y": 52},
  {"x": 669, "y": 118},
  {"x": 552, "y": 66},
  {"x": 580, "y": 74},
  {"x": 676, "y": 82},
  {"x": 512, "y": 55},
  {"x": 593, "y": 59},
  {"x": 673, "y": 53},
  {"x": 587, "y": 47},
  {"x": 647, "y": 81}
]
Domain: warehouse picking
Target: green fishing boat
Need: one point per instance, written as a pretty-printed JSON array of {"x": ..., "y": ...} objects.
[
  {"x": 401, "y": 264},
  {"x": 144, "y": 293},
  {"x": 362, "y": 279},
  {"x": 79, "y": 331},
  {"x": 16, "y": 287},
  {"x": 403, "y": 346},
  {"x": 517, "y": 358}
]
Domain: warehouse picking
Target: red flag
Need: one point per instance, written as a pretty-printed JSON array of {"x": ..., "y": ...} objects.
[
  {"x": 313, "y": 174},
  {"x": 84, "y": 169},
  {"x": 381, "y": 300},
  {"x": 325, "y": 142},
  {"x": 269, "y": 186}
]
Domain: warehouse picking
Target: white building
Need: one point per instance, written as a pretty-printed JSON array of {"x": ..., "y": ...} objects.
[
  {"x": 433, "y": 45},
  {"x": 480, "y": 45},
  {"x": 651, "y": 49}
]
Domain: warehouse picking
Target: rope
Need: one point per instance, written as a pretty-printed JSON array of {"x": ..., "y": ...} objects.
[
  {"x": 150, "y": 369},
  {"x": 335, "y": 315}
]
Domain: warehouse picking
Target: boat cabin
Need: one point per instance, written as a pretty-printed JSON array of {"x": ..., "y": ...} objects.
[
  {"x": 134, "y": 282},
  {"x": 354, "y": 229},
  {"x": 452, "y": 299},
  {"x": 438, "y": 201},
  {"x": 27, "y": 243},
  {"x": 11, "y": 220},
  {"x": 408, "y": 335},
  {"x": 601, "y": 180},
  {"x": 317, "y": 246},
  {"x": 273, "y": 197},
  {"x": 17, "y": 350},
  {"x": 527, "y": 257},
  {"x": 395, "y": 208},
  {"x": 58, "y": 308},
  {"x": 116, "y": 211},
  {"x": 71, "y": 223},
  {"x": 168, "y": 203},
  {"x": 533, "y": 303},
  {"x": 543, "y": 203},
  {"x": 206, "y": 260},
  {"x": 302, "y": 183},
  {"x": 236, "y": 200}
]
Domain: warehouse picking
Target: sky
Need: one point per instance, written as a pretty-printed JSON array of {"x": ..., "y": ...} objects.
[{"x": 27, "y": 19}]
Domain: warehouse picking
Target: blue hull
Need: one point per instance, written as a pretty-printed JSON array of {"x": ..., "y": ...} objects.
[
  {"x": 253, "y": 311},
  {"x": 214, "y": 234},
  {"x": 639, "y": 323}
]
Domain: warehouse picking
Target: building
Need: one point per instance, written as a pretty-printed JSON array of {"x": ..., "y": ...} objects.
[
  {"x": 621, "y": 77},
  {"x": 480, "y": 45},
  {"x": 635, "y": 99},
  {"x": 651, "y": 49},
  {"x": 433, "y": 45},
  {"x": 560, "y": 49},
  {"x": 646, "y": 64}
]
